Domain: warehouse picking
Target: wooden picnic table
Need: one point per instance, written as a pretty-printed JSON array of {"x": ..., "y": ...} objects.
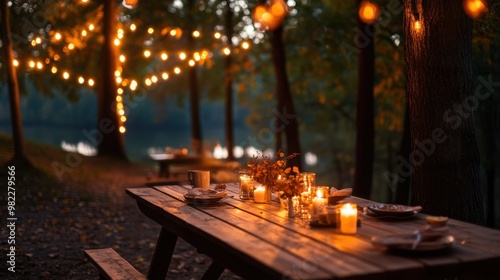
[
  {"x": 259, "y": 241},
  {"x": 166, "y": 160}
]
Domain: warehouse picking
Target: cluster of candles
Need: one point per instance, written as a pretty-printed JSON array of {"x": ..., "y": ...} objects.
[{"x": 314, "y": 206}]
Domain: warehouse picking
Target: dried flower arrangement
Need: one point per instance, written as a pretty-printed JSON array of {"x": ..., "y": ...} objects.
[{"x": 275, "y": 174}]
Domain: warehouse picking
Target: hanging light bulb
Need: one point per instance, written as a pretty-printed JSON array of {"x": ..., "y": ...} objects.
[
  {"x": 475, "y": 8},
  {"x": 130, "y": 4},
  {"x": 368, "y": 12}
]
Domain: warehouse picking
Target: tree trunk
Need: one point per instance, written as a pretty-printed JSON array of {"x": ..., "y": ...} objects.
[
  {"x": 111, "y": 143},
  {"x": 440, "y": 87},
  {"x": 365, "y": 128},
  {"x": 229, "y": 83},
  {"x": 286, "y": 113},
  {"x": 13, "y": 86},
  {"x": 194, "y": 99}
]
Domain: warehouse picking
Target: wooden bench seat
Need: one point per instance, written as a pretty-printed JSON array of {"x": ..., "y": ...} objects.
[{"x": 112, "y": 266}]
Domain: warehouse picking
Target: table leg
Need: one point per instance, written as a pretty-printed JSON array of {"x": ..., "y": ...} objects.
[
  {"x": 163, "y": 255},
  {"x": 214, "y": 271}
]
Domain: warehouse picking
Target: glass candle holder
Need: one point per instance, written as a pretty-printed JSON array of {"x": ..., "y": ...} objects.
[
  {"x": 261, "y": 193},
  {"x": 246, "y": 186}
]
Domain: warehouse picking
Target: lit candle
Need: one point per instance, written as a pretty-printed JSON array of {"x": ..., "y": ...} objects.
[
  {"x": 348, "y": 218},
  {"x": 318, "y": 202},
  {"x": 246, "y": 186},
  {"x": 259, "y": 194}
]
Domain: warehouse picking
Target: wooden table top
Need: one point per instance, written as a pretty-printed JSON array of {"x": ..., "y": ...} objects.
[{"x": 260, "y": 240}]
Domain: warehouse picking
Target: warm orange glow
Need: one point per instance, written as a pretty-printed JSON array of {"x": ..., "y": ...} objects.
[
  {"x": 164, "y": 75},
  {"x": 122, "y": 129},
  {"x": 182, "y": 55},
  {"x": 177, "y": 70},
  {"x": 122, "y": 58},
  {"x": 81, "y": 80},
  {"x": 117, "y": 42},
  {"x": 71, "y": 46},
  {"x": 130, "y": 3},
  {"x": 154, "y": 79},
  {"x": 58, "y": 36},
  {"x": 53, "y": 70},
  {"x": 66, "y": 75},
  {"x": 119, "y": 91},
  {"x": 84, "y": 33},
  {"x": 119, "y": 80},
  {"x": 258, "y": 12},
  {"x": 151, "y": 30},
  {"x": 173, "y": 32},
  {"x": 475, "y": 8},
  {"x": 196, "y": 34},
  {"x": 197, "y": 56},
  {"x": 417, "y": 25},
  {"x": 226, "y": 51},
  {"x": 148, "y": 82},
  {"x": 279, "y": 8},
  {"x": 91, "y": 82},
  {"x": 133, "y": 85},
  {"x": 15, "y": 63},
  {"x": 368, "y": 12},
  {"x": 123, "y": 118},
  {"x": 319, "y": 193},
  {"x": 133, "y": 27},
  {"x": 164, "y": 56},
  {"x": 245, "y": 45},
  {"x": 121, "y": 112},
  {"x": 191, "y": 62},
  {"x": 38, "y": 40},
  {"x": 56, "y": 57},
  {"x": 217, "y": 35},
  {"x": 147, "y": 53},
  {"x": 91, "y": 27},
  {"x": 31, "y": 64}
]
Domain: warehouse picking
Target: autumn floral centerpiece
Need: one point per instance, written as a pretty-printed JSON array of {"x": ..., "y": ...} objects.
[{"x": 273, "y": 172}]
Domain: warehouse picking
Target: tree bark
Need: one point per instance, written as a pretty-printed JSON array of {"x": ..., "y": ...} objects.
[
  {"x": 13, "y": 86},
  {"x": 194, "y": 99},
  {"x": 112, "y": 143},
  {"x": 444, "y": 157},
  {"x": 229, "y": 83},
  {"x": 403, "y": 183},
  {"x": 365, "y": 127},
  {"x": 286, "y": 112}
]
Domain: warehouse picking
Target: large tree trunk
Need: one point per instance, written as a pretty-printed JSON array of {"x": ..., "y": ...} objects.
[
  {"x": 365, "y": 127},
  {"x": 286, "y": 113},
  {"x": 444, "y": 153},
  {"x": 111, "y": 143},
  {"x": 194, "y": 99},
  {"x": 229, "y": 83},
  {"x": 13, "y": 86}
]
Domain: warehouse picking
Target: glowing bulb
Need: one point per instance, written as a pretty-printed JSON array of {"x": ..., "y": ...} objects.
[
  {"x": 147, "y": 53},
  {"x": 122, "y": 129},
  {"x": 177, "y": 70},
  {"x": 71, "y": 46},
  {"x": 133, "y": 27},
  {"x": 91, "y": 27},
  {"x": 38, "y": 40},
  {"x": 182, "y": 55},
  {"x": 417, "y": 25},
  {"x": 217, "y": 35},
  {"x": 84, "y": 33},
  {"x": 151, "y": 30},
  {"x": 81, "y": 80},
  {"x": 56, "y": 57},
  {"x": 475, "y": 8},
  {"x": 15, "y": 63},
  {"x": 122, "y": 58},
  {"x": 123, "y": 118},
  {"x": 368, "y": 12},
  {"x": 39, "y": 65},
  {"x": 119, "y": 105},
  {"x": 120, "y": 35},
  {"x": 196, "y": 56},
  {"x": 278, "y": 9},
  {"x": 117, "y": 42},
  {"x": 154, "y": 79},
  {"x": 31, "y": 64},
  {"x": 117, "y": 73},
  {"x": 148, "y": 81},
  {"x": 164, "y": 56},
  {"x": 164, "y": 75},
  {"x": 91, "y": 82},
  {"x": 245, "y": 45},
  {"x": 226, "y": 51},
  {"x": 118, "y": 98},
  {"x": 58, "y": 36},
  {"x": 66, "y": 75},
  {"x": 191, "y": 62},
  {"x": 33, "y": 43},
  {"x": 173, "y": 32},
  {"x": 119, "y": 80},
  {"x": 53, "y": 70},
  {"x": 119, "y": 91},
  {"x": 196, "y": 33}
]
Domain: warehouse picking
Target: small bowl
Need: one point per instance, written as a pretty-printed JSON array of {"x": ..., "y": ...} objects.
[{"x": 438, "y": 221}]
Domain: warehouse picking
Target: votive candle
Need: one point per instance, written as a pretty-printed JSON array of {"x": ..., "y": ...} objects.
[
  {"x": 348, "y": 218},
  {"x": 259, "y": 194}
]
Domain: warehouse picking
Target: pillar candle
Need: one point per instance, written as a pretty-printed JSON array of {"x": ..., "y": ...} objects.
[
  {"x": 348, "y": 218},
  {"x": 259, "y": 194}
]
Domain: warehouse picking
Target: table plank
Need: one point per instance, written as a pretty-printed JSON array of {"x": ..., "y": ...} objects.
[{"x": 231, "y": 242}]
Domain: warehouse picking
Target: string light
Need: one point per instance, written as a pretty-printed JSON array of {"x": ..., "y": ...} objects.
[
  {"x": 164, "y": 56},
  {"x": 58, "y": 36},
  {"x": 53, "y": 69},
  {"x": 91, "y": 82},
  {"x": 226, "y": 51},
  {"x": 177, "y": 70},
  {"x": 65, "y": 75},
  {"x": 191, "y": 63},
  {"x": 15, "y": 62},
  {"x": 39, "y": 65},
  {"x": 117, "y": 42},
  {"x": 196, "y": 33},
  {"x": 245, "y": 45},
  {"x": 182, "y": 55},
  {"x": 91, "y": 27},
  {"x": 133, "y": 27},
  {"x": 81, "y": 80},
  {"x": 151, "y": 30},
  {"x": 122, "y": 58},
  {"x": 71, "y": 46},
  {"x": 84, "y": 33},
  {"x": 217, "y": 35},
  {"x": 147, "y": 53},
  {"x": 154, "y": 79},
  {"x": 164, "y": 75}
]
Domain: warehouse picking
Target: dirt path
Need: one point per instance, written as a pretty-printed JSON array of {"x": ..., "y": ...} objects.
[{"x": 88, "y": 208}]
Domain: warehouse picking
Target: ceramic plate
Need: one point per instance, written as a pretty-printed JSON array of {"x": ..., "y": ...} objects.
[
  {"x": 204, "y": 199},
  {"x": 389, "y": 217},
  {"x": 405, "y": 242},
  {"x": 394, "y": 209}
]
